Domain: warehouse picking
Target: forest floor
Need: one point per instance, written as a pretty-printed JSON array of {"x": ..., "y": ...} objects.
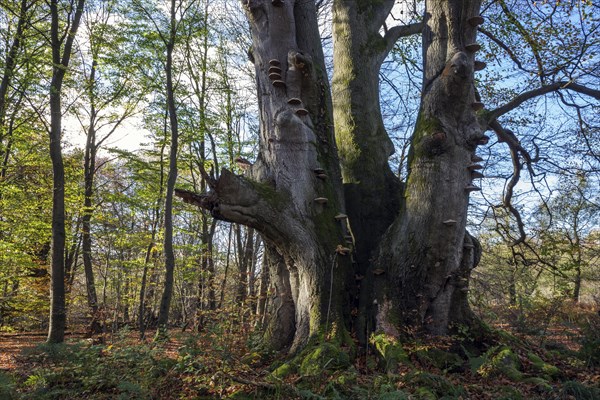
[{"x": 546, "y": 363}]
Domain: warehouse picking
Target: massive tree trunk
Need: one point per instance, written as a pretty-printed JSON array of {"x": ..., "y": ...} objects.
[
  {"x": 372, "y": 190},
  {"x": 293, "y": 192},
  {"x": 426, "y": 256}
]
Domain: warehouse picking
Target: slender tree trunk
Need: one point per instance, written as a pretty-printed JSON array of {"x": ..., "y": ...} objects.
[
  {"x": 89, "y": 166},
  {"x": 263, "y": 289},
  {"x": 245, "y": 252},
  {"x": 60, "y": 58},
  {"x": 163, "y": 315}
]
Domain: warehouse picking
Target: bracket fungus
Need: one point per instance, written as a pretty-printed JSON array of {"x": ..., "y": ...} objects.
[
  {"x": 294, "y": 101},
  {"x": 476, "y": 20},
  {"x": 472, "y": 188},
  {"x": 479, "y": 65},
  {"x": 320, "y": 200},
  {"x": 449, "y": 222},
  {"x": 473, "y": 47},
  {"x": 473, "y": 167},
  {"x": 242, "y": 163},
  {"x": 483, "y": 140},
  {"x": 341, "y": 250},
  {"x": 477, "y": 105}
]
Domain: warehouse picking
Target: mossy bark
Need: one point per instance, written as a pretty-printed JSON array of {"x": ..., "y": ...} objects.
[
  {"x": 295, "y": 165},
  {"x": 427, "y": 255},
  {"x": 372, "y": 190}
]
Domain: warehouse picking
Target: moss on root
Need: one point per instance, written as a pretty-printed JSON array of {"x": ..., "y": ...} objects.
[
  {"x": 333, "y": 352},
  {"x": 550, "y": 371},
  {"x": 440, "y": 359},
  {"x": 390, "y": 351},
  {"x": 502, "y": 361}
]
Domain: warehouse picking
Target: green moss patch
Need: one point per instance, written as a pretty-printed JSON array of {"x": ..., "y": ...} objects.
[
  {"x": 501, "y": 361},
  {"x": 543, "y": 367},
  {"x": 443, "y": 360},
  {"x": 436, "y": 385},
  {"x": 322, "y": 357},
  {"x": 390, "y": 351}
]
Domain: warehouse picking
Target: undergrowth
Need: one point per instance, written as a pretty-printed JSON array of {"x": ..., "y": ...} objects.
[{"x": 220, "y": 363}]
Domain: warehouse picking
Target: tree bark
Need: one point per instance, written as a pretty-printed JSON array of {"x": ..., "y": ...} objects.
[
  {"x": 426, "y": 257},
  {"x": 163, "y": 315},
  {"x": 297, "y": 163},
  {"x": 371, "y": 188},
  {"x": 61, "y": 55}
]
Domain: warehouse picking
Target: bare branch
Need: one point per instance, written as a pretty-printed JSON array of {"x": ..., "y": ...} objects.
[
  {"x": 393, "y": 34},
  {"x": 523, "y": 97}
]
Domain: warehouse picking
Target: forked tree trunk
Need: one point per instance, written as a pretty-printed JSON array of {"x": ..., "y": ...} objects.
[
  {"x": 426, "y": 256},
  {"x": 296, "y": 164}
]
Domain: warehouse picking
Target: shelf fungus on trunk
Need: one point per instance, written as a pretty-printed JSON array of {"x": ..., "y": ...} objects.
[
  {"x": 242, "y": 163},
  {"x": 476, "y": 175},
  {"x": 479, "y": 65},
  {"x": 477, "y": 106},
  {"x": 341, "y": 250},
  {"x": 483, "y": 140},
  {"x": 476, "y": 20},
  {"x": 449, "y": 222},
  {"x": 473, "y": 47},
  {"x": 321, "y": 200},
  {"x": 472, "y": 188},
  {"x": 473, "y": 167},
  {"x": 302, "y": 112}
]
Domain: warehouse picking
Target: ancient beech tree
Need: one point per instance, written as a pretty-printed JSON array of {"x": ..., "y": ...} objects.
[{"x": 349, "y": 246}]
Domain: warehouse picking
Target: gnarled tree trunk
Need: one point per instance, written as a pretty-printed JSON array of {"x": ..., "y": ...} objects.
[
  {"x": 427, "y": 255},
  {"x": 293, "y": 191},
  {"x": 373, "y": 192}
]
